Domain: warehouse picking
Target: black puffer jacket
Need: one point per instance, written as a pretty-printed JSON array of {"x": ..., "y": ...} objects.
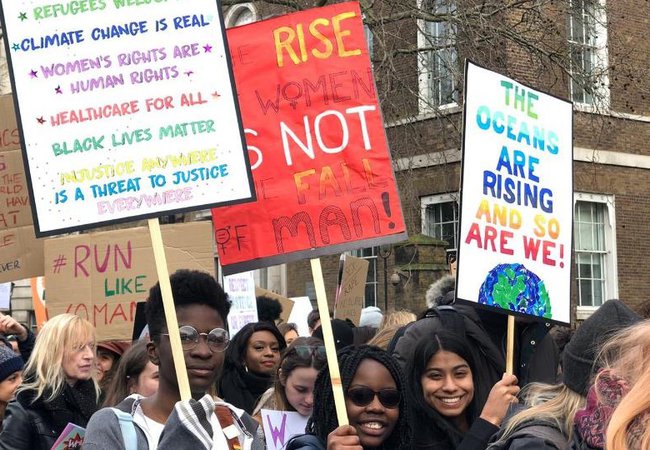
[{"x": 35, "y": 424}]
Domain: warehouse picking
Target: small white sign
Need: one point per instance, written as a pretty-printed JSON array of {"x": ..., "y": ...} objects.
[
  {"x": 241, "y": 292},
  {"x": 280, "y": 426}
]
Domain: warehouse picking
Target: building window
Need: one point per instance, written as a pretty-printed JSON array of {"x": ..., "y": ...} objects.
[
  {"x": 595, "y": 250},
  {"x": 240, "y": 15},
  {"x": 587, "y": 35},
  {"x": 369, "y": 254},
  {"x": 370, "y": 41},
  {"x": 438, "y": 57},
  {"x": 440, "y": 218}
]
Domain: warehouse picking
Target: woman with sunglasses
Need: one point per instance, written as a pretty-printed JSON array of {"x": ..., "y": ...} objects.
[
  {"x": 251, "y": 362},
  {"x": 293, "y": 389},
  {"x": 442, "y": 376},
  {"x": 375, "y": 402}
]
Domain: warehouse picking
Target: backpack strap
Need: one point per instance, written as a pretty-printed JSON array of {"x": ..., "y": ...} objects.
[
  {"x": 230, "y": 430},
  {"x": 129, "y": 436}
]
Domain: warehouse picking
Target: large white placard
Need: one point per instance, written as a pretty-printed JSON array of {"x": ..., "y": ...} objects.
[
  {"x": 127, "y": 109},
  {"x": 517, "y": 198}
]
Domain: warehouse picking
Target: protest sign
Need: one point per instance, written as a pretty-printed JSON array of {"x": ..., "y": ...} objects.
[
  {"x": 517, "y": 198},
  {"x": 71, "y": 438},
  {"x": 280, "y": 426},
  {"x": 287, "y": 303},
  {"x": 351, "y": 289},
  {"x": 127, "y": 110},
  {"x": 9, "y": 134},
  {"x": 314, "y": 130},
  {"x": 101, "y": 276},
  {"x": 22, "y": 253},
  {"x": 241, "y": 293}
]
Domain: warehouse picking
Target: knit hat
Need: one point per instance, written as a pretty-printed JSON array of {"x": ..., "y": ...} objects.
[
  {"x": 343, "y": 335},
  {"x": 579, "y": 358},
  {"x": 371, "y": 317},
  {"x": 10, "y": 362}
]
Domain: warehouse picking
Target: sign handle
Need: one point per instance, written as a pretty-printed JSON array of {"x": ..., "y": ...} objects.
[
  {"x": 510, "y": 345},
  {"x": 170, "y": 311},
  {"x": 328, "y": 338}
]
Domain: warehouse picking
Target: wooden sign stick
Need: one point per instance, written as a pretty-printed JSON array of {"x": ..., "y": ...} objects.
[
  {"x": 170, "y": 310},
  {"x": 328, "y": 338},
  {"x": 510, "y": 345}
]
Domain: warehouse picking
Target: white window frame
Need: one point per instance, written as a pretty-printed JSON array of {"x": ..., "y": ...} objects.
[
  {"x": 600, "y": 59},
  {"x": 428, "y": 105},
  {"x": 234, "y": 12},
  {"x": 373, "y": 259},
  {"x": 610, "y": 264},
  {"x": 437, "y": 199}
]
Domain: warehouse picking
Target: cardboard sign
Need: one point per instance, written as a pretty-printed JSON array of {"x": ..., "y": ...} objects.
[
  {"x": 280, "y": 426},
  {"x": 9, "y": 134},
  {"x": 241, "y": 292},
  {"x": 287, "y": 303},
  {"x": 517, "y": 198},
  {"x": 15, "y": 208},
  {"x": 352, "y": 289},
  {"x": 101, "y": 276},
  {"x": 127, "y": 110},
  {"x": 314, "y": 130},
  {"x": 21, "y": 254}
]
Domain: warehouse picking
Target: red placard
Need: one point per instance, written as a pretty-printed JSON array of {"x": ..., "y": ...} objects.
[{"x": 316, "y": 142}]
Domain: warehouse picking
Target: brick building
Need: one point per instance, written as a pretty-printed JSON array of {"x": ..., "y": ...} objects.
[
  {"x": 593, "y": 52},
  {"x": 589, "y": 51}
]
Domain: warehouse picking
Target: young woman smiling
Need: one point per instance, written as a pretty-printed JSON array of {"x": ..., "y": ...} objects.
[
  {"x": 442, "y": 378},
  {"x": 375, "y": 402}
]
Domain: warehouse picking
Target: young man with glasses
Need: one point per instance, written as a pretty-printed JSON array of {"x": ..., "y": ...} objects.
[{"x": 139, "y": 423}]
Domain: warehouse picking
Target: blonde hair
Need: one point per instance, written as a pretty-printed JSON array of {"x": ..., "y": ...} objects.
[
  {"x": 555, "y": 404},
  {"x": 627, "y": 355},
  {"x": 384, "y": 336},
  {"x": 44, "y": 371},
  {"x": 401, "y": 318}
]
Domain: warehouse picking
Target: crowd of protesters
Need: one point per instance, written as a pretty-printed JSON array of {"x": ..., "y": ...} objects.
[{"x": 435, "y": 381}]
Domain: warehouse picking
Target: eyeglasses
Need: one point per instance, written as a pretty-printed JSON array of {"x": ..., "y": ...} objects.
[
  {"x": 217, "y": 339},
  {"x": 309, "y": 351},
  {"x": 363, "y": 396}
]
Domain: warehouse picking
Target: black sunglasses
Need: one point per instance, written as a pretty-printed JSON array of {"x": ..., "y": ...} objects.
[{"x": 363, "y": 396}]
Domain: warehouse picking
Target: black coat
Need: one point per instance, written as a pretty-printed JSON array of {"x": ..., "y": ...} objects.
[{"x": 36, "y": 425}]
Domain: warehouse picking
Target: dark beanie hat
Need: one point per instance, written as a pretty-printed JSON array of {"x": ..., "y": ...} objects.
[
  {"x": 343, "y": 334},
  {"x": 10, "y": 362},
  {"x": 579, "y": 358}
]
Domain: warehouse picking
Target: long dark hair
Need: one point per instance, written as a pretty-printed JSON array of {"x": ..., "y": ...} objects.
[
  {"x": 128, "y": 370},
  {"x": 292, "y": 360},
  {"x": 439, "y": 430},
  {"x": 323, "y": 420},
  {"x": 236, "y": 352}
]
